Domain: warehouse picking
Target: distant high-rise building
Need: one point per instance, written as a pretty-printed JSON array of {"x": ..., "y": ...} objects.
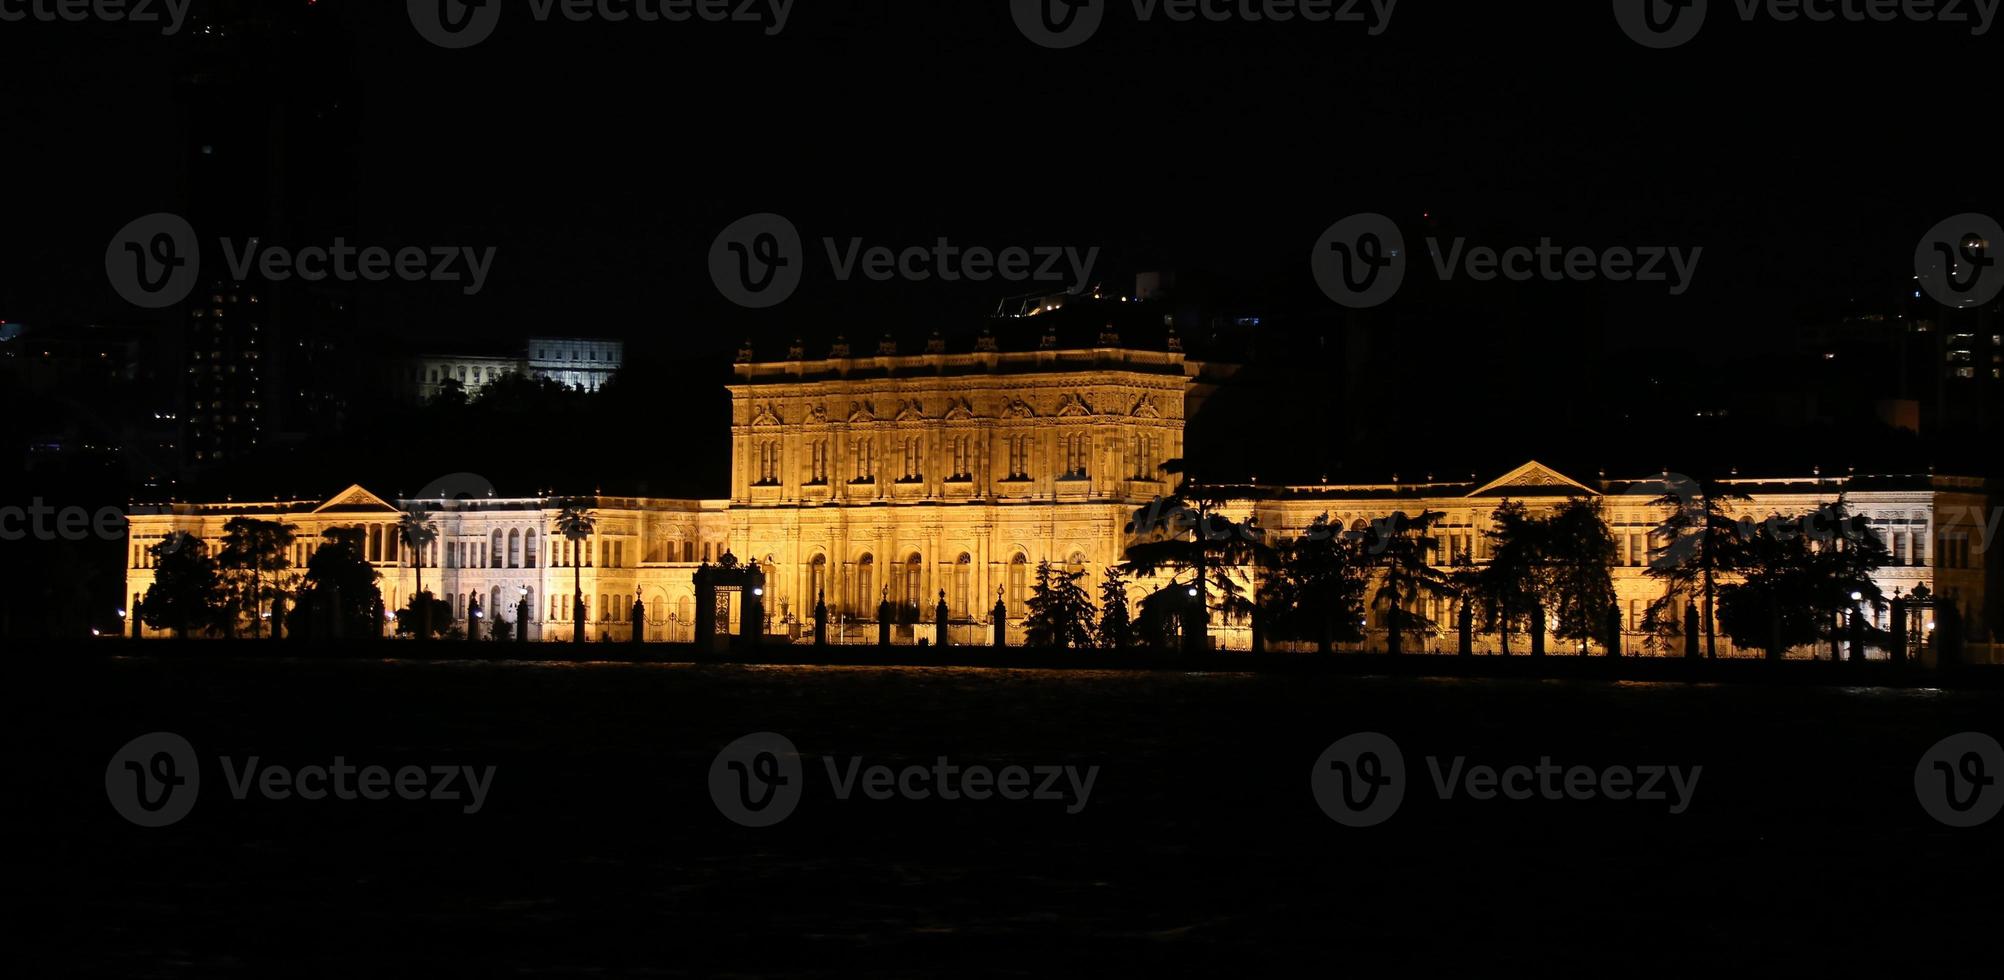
[{"x": 266, "y": 96}]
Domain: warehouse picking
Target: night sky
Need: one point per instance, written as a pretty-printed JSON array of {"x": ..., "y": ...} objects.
[{"x": 601, "y": 159}]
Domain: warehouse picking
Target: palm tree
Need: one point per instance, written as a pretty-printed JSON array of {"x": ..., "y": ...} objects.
[
  {"x": 576, "y": 522},
  {"x": 1399, "y": 544},
  {"x": 418, "y": 531},
  {"x": 1698, "y": 540}
]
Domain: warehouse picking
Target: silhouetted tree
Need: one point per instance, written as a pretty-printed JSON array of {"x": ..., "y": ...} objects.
[
  {"x": 1695, "y": 544},
  {"x": 254, "y": 556},
  {"x": 1116, "y": 630},
  {"x": 576, "y": 522},
  {"x": 427, "y": 609},
  {"x": 1397, "y": 547},
  {"x": 418, "y": 531},
  {"x": 1316, "y": 590},
  {"x": 1580, "y": 553},
  {"x": 1512, "y": 582},
  {"x": 1187, "y": 532},
  {"x": 340, "y": 585},
  {"x": 1844, "y": 554},
  {"x": 1060, "y": 612},
  {"x": 1771, "y": 608},
  {"x": 186, "y": 596}
]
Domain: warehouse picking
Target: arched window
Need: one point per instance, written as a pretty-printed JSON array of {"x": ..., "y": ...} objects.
[
  {"x": 963, "y": 584},
  {"x": 863, "y": 600},
  {"x": 1019, "y": 586},
  {"x": 494, "y": 552},
  {"x": 494, "y": 608},
  {"x": 515, "y": 549},
  {"x": 1077, "y": 564},
  {"x": 914, "y": 580},
  {"x": 529, "y": 548},
  {"x": 817, "y": 580}
]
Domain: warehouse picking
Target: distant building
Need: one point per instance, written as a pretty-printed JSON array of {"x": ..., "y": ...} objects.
[
  {"x": 921, "y": 477},
  {"x": 583, "y": 364}
]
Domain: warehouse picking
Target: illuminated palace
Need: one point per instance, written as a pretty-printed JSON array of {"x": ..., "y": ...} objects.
[{"x": 901, "y": 477}]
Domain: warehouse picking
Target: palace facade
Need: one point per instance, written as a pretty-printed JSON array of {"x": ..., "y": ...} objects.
[{"x": 903, "y": 477}]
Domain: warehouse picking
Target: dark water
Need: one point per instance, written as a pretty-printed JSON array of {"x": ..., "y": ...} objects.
[{"x": 1201, "y": 849}]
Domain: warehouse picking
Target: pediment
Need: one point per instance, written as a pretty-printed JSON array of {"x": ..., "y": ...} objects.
[
  {"x": 356, "y": 500},
  {"x": 1534, "y": 479}
]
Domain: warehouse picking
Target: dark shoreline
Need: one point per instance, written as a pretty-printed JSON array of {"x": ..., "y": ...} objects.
[{"x": 1446, "y": 666}]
